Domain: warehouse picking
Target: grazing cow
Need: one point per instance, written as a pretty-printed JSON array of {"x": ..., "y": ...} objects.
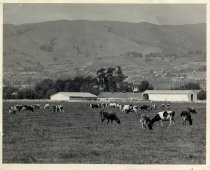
[
  {"x": 144, "y": 107},
  {"x": 18, "y": 107},
  {"x": 104, "y": 105},
  {"x": 145, "y": 120},
  {"x": 168, "y": 106},
  {"x": 162, "y": 116},
  {"x": 114, "y": 105},
  {"x": 47, "y": 106},
  {"x": 186, "y": 116},
  {"x": 37, "y": 106},
  {"x": 12, "y": 109},
  {"x": 95, "y": 105},
  {"x": 162, "y": 106},
  {"x": 134, "y": 109},
  {"x": 109, "y": 115},
  {"x": 129, "y": 108},
  {"x": 58, "y": 108},
  {"x": 154, "y": 106},
  {"x": 28, "y": 107},
  {"x": 192, "y": 110}
]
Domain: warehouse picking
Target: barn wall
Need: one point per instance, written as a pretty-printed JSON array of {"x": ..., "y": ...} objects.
[
  {"x": 169, "y": 97},
  {"x": 59, "y": 97}
]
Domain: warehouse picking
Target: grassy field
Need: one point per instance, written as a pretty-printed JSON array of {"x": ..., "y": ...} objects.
[{"x": 79, "y": 136}]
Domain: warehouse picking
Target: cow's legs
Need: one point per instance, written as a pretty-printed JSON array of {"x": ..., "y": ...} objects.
[
  {"x": 107, "y": 121},
  {"x": 142, "y": 125}
]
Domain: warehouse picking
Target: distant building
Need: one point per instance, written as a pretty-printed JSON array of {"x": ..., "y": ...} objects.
[
  {"x": 119, "y": 96},
  {"x": 171, "y": 95},
  {"x": 73, "y": 96}
]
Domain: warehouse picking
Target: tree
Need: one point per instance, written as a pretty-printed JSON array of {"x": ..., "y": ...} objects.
[
  {"x": 50, "y": 92},
  {"x": 59, "y": 85},
  {"x": 189, "y": 86},
  {"x": 42, "y": 87},
  {"x": 26, "y": 94},
  {"x": 110, "y": 79},
  {"x": 145, "y": 86},
  {"x": 202, "y": 95},
  {"x": 10, "y": 92}
]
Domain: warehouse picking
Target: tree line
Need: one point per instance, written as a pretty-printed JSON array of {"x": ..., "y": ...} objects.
[{"x": 105, "y": 80}]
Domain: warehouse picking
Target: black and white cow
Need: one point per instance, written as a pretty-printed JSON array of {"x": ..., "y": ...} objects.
[
  {"x": 47, "y": 106},
  {"x": 95, "y": 105},
  {"x": 28, "y": 107},
  {"x": 186, "y": 116},
  {"x": 58, "y": 108},
  {"x": 37, "y": 106},
  {"x": 153, "y": 107},
  {"x": 12, "y": 110},
  {"x": 162, "y": 106},
  {"x": 129, "y": 108},
  {"x": 162, "y": 116},
  {"x": 18, "y": 107},
  {"x": 144, "y": 107}
]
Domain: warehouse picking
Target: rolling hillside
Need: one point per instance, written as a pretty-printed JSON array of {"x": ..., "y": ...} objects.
[{"x": 60, "y": 49}]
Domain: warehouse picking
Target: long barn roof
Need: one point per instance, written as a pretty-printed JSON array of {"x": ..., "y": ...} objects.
[{"x": 76, "y": 94}]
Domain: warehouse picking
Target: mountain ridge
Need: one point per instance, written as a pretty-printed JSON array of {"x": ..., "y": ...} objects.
[{"x": 70, "y": 45}]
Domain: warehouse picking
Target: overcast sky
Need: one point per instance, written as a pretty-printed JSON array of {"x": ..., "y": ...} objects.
[{"x": 156, "y": 13}]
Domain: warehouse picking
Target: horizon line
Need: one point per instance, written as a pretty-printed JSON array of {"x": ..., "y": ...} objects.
[{"x": 102, "y": 21}]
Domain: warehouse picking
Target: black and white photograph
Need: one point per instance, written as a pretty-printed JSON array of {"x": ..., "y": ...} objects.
[{"x": 104, "y": 83}]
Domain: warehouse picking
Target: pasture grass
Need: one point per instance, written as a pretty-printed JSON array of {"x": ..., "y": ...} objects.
[{"x": 79, "y": 136}]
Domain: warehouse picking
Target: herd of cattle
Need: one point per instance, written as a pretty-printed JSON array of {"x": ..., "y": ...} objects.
[
  {"x": 146, "y": 121},
  {"x": 14, "y": 109}
]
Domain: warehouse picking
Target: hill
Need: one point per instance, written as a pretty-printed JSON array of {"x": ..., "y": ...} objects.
[{"x": 61, "y": 49}]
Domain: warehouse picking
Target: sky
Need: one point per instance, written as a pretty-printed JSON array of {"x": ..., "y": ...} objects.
[{"x": 162, "y": 14}]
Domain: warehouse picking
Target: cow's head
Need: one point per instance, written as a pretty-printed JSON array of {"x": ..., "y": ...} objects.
[
  {"x": 192, "y": 110},
  {"x": 149, "y": 126}
]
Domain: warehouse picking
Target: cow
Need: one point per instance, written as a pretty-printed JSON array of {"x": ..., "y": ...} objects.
[
  {"x": 186, "y": 116},
  {"x": 145, "y": 120},
  {"x": 58, "y": 108},
  {"x": 162, "y": 106},
  {"x": 144, "y": 107},
  {"x": 18, "y": 107},
  {"x": 129, "y": 108},
  {"x": 154, "y": 106},
  {"x": 47, "y": 106},
  {"x": 37, "y": 106},
  {"x": 109, "y": 115},
  {"x": 95, "y": 105},
  {"x": 168, "y": 107},
  {"x": 114, "y": 105},
  {"x": 12, "y": 109},
  {"x": 162, "y": 116},
  {"x": 28, "y": 107}
]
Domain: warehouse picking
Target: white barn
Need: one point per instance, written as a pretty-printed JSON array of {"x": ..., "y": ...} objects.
[
  {"x": 171, "y": 95},
  {"x": 72, "y": 96}
]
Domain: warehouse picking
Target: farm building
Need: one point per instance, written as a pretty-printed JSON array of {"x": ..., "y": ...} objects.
[
  {"x": 78, "y": 96},
  {"x": 171, "y": 95},
  {"x": 119, "y": 96}
]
